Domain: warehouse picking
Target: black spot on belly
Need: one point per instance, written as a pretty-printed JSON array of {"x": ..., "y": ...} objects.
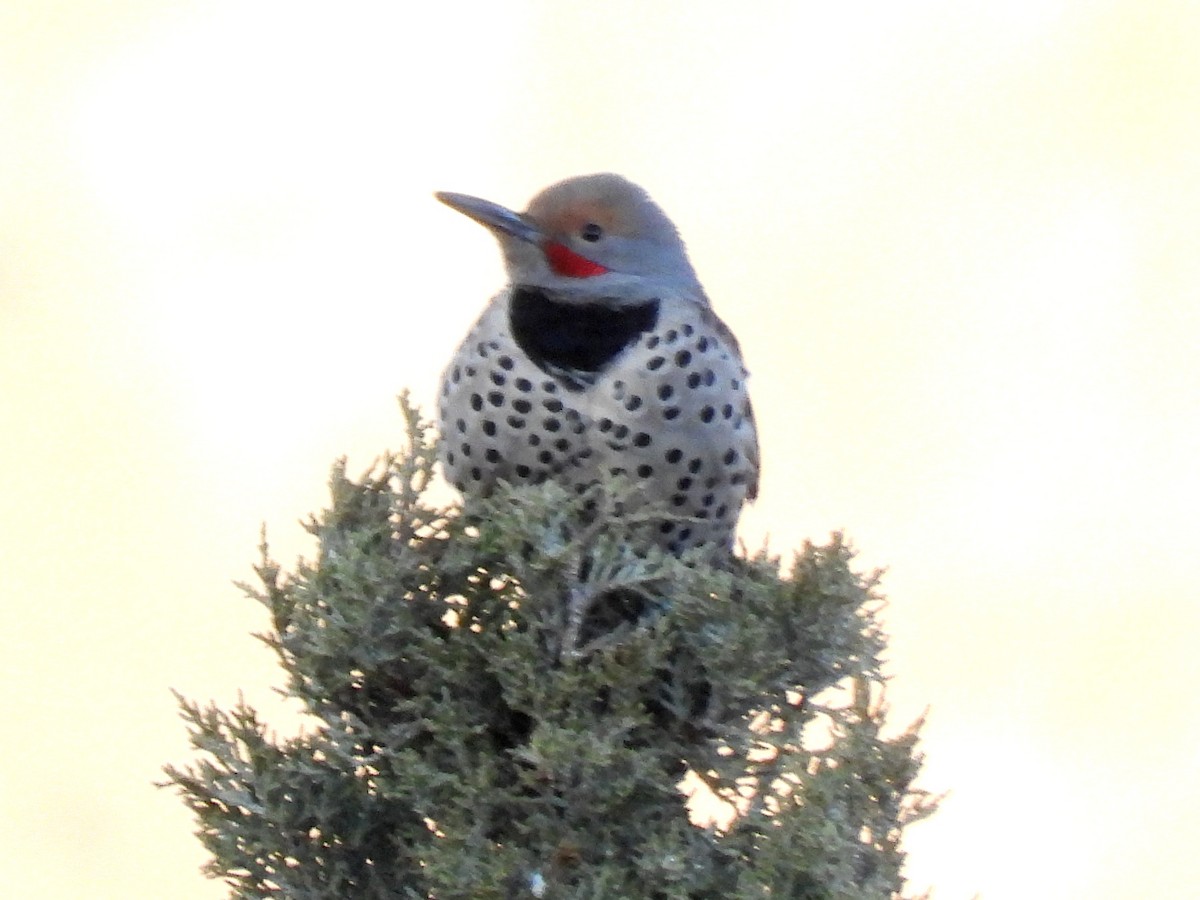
[{"x": 559, "y": 336}]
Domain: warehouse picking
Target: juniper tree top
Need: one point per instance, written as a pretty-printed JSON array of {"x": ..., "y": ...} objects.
[{"x": 512, "y": 704}]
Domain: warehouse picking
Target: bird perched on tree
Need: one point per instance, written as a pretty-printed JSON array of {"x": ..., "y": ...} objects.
[{"x": 602, "y": 355}]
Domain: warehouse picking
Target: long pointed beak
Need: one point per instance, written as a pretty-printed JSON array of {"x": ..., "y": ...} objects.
[{"x": 492, "y": 215}]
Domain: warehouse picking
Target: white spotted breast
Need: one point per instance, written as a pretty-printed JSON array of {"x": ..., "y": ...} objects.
[{"x": 668, "y": 408}]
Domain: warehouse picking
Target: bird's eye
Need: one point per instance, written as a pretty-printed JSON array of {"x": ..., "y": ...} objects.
[{"x": 591, "y": 232}]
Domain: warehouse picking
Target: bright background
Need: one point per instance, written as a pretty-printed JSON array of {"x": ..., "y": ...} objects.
[{"x": 957, "y": 240}]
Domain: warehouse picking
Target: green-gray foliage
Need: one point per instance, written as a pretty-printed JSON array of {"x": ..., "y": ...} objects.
[{"x": 504, "y": 704}]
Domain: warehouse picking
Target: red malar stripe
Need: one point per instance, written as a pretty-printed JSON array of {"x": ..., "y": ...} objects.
[{"x": 566, "y": 261}]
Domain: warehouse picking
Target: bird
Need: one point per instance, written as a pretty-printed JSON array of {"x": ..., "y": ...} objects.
[{"x": 602, "y": 356}]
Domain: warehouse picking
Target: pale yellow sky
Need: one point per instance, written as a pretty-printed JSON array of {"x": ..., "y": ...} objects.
[{"x": 957, "y": 241}]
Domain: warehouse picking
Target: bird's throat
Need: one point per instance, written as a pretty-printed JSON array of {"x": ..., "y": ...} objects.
[{"x": 563, "y": 337}]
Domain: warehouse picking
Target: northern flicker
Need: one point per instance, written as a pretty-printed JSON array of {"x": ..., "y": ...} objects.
[{"x": 601, "y": 355}]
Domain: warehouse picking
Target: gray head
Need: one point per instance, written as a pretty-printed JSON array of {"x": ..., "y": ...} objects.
[{"x": 594, "y": 235}]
